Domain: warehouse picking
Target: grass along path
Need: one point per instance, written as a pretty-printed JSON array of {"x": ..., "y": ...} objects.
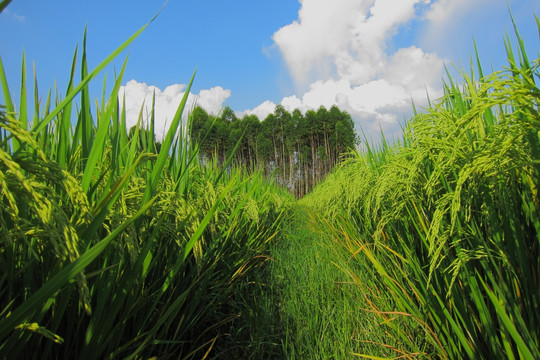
[
  {"x": 299, "y": 305},
  {"x": 313, "y": 299}
]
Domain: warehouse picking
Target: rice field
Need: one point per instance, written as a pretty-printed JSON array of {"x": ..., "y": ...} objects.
[
  {"x": 441, "y": 231},
  {"x": 111, "y": 247},
  {"x": 115, "y": 246}
]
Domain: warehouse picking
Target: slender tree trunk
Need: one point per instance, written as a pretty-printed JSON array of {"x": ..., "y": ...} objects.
[
  {"x": 291, "y": 171},
  {"x": 313, "y": 160},
  {"x": 276, "y": 162}
]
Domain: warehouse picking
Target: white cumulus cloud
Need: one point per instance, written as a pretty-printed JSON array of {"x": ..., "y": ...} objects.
[
  {"x": 443, "y": 11},
  {"x": 261, "y": 110},
  {"x": 337, "y": 54},
  {"x": 323, "y": 29},
  {"x": 139, "y": 95}
]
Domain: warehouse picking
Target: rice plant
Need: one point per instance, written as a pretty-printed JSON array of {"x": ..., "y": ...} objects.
[
  {"x": 442, "y": 231},
  {"x": 110, "y": 245}
]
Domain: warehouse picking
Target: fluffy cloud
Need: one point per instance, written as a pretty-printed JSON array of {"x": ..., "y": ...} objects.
[
  {"x": 449, "y": 25},
  {"x": 344, "y": 38},
  {"x": 139, "y": 95},
  {"x": 261, "y": 110},
  {"x": 336, "y": 52},
  {"x": 443, "y": 11},
  {"x": 322, "y": 29}
]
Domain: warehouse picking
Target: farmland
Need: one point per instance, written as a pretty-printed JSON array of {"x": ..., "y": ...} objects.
[{"x": 115, "y": 246}]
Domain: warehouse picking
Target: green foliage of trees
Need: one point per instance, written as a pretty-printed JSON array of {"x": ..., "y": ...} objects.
[{"x": 297, "y": 149}]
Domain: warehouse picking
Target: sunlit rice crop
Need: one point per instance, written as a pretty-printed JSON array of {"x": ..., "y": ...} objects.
[
  {"x": 112, "y": 245},
  {"x": 443, "y": 229}
]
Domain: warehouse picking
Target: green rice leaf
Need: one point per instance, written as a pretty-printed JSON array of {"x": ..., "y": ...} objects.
[
  {"x": 84, "y": 83},
  {"x": 25, "y": 311},
  {"x": 98, "y": 146},
  {"x": 525, "y": 350},
  {"x": 166, "y": 145},
  {"x": 5, "y": 89}
]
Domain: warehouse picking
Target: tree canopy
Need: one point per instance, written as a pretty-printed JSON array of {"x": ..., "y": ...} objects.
[{"x": 297, "y": 149}]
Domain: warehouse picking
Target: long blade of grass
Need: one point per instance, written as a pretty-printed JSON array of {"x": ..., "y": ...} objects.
[
  {"x": 108, "y": 200},
  {"x": 3, "y": 4},
  {"x": 5, "y": 89},
  {"x": 23, "y": 110},
  {"x": 64, "y": 121},
  {"x": 98, "y": 147},
  {"x": 7, "y": 104},
  {"x": 25, "y": 311},
  {"x": 509, "y": 324},
  {"x": 41, "y": 125},
  {"x": 155, "y": 177},
  {"x": 85, "y": 117},
  {"x": 230, "y": 157},
  {"x": 204, "y": 223},
  {"x": 36, "y": 95}
]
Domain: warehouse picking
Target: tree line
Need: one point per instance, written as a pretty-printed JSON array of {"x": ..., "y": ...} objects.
[{"x": 297, "y": 149}]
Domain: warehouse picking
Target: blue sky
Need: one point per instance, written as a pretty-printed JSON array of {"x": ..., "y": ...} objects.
[{"x": 371, "y": 57}]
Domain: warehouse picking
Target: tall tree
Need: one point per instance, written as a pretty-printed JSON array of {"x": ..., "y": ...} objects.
[
  {"x": 298, "y": 150},
  {"x": 199, "y": 117}
]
